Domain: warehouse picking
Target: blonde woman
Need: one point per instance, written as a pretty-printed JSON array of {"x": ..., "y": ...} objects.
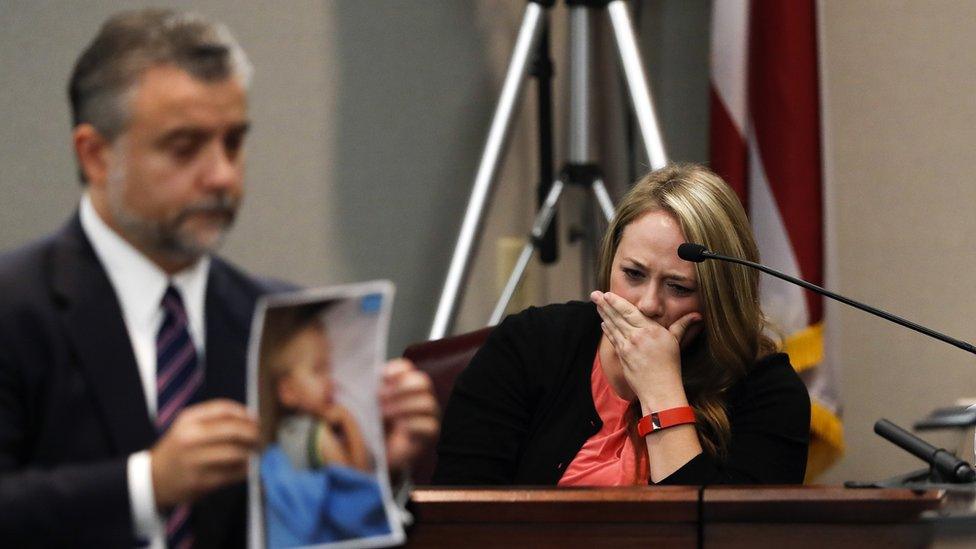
[{"x": 666, "y": 377}]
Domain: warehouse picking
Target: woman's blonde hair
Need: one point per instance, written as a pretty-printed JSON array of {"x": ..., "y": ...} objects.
[
  {"x": 709, "y": 214},
  {"x": 281, "y": 324}
]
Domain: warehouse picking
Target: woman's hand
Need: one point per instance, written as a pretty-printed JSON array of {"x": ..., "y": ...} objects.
[{"x": 649, "y": 354}]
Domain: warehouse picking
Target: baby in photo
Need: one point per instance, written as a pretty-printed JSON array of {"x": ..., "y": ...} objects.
[
  {"x": 312, "y": 428},
  {"x": 317, "y": 471}
]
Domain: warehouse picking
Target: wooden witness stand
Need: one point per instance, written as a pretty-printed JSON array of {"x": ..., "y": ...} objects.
[{"x": 671, "y": 516}]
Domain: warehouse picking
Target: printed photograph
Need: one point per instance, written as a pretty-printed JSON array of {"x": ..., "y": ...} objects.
[{"x": 320, "y": 479}]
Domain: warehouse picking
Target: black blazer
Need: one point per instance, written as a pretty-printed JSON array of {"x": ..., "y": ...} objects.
[
  {"x": 524, "y": 407},
  {"x": 72, "y": 407}
]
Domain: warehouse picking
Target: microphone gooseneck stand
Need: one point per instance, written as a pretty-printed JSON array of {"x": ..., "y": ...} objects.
[{"x": 698, "y": 253}]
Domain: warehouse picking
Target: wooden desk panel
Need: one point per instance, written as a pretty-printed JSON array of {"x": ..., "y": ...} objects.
[
  {"x": 822, "y": 504},
  {"x": 817, "y": 536},
  {"x": 629, "y": 504},
  {"x": 547, "y": 517},
  {"x": 509, "y": 535},
  {"x": 792, "y": 516},
  {"x": 803, "y": 517}
]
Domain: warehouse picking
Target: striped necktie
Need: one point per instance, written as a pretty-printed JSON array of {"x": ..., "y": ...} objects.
[{"x": 178, "y": 379}]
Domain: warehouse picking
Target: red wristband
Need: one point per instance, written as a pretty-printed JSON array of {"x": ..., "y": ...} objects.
[{"x": 664, "y": 419}]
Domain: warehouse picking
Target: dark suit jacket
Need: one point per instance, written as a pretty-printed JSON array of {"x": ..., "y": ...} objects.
[{"x": 72, "y": 407}]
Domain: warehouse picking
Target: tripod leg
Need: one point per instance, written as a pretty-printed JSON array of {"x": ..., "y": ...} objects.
[
  {"x": 539, "y": 226},
  {"x": 640, "y": 94},
  {"x": 603, "y": 199},
  {"x": 501, "y": 122},
  {"x": 580, "y": 46}
]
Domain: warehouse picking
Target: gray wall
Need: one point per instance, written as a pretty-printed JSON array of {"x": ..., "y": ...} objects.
[
  {"x": 414, "y": 96},
  {"x": 369, "y": 118}
]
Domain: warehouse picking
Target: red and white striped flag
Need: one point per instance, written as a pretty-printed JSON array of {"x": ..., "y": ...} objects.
[{"x": 765, "y": 141}]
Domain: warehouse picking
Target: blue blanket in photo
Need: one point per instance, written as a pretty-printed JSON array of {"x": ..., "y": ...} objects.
[{"x": 305, "y": 507}]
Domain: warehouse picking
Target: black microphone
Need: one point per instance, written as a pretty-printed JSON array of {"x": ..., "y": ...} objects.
[
  {"x": 693, "y": 252},
  {"x": 698, "y": 253},
  {"x": 949, "y": 467}
]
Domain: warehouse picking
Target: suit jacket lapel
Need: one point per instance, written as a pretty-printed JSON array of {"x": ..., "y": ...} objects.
[
  {"x": 228, "y": 308},
  {"x": 92, "y": 319}
]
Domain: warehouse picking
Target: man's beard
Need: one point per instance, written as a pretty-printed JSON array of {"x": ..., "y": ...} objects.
[{"x": 171, "y": 238}]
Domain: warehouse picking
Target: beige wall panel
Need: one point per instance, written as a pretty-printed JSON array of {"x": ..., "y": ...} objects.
[{"x": 900, "y": 121}]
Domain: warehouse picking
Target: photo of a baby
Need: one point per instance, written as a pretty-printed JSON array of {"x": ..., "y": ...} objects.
[{"x": 321, "y": 478}]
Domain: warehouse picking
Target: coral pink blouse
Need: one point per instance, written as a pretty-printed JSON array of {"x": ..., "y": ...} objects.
[{"x": 608, "y": 457}]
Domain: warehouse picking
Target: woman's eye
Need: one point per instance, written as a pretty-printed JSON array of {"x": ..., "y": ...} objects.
[
  {"x": 680, "y": 290},
  {"x": 633, "y": 274}
]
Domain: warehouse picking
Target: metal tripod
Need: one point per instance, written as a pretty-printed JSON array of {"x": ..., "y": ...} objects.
[{"x": 580, "y": 169}]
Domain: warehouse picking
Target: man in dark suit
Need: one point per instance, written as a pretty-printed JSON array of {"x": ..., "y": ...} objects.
[{"x": 122, "y": 338}]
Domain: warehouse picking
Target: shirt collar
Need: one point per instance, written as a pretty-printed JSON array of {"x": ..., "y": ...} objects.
[{"x": 139, "y": 283}]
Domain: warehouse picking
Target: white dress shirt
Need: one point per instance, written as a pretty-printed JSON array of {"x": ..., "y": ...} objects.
[{"x": 139, "y": 285}]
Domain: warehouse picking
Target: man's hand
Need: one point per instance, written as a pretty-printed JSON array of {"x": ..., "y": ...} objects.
[
  {"x": 410, "y": 412},
  {"x": 205, "y": 448}
]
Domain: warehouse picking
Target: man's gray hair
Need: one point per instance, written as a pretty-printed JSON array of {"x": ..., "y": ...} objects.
[{"x": 131, "y": 42}]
